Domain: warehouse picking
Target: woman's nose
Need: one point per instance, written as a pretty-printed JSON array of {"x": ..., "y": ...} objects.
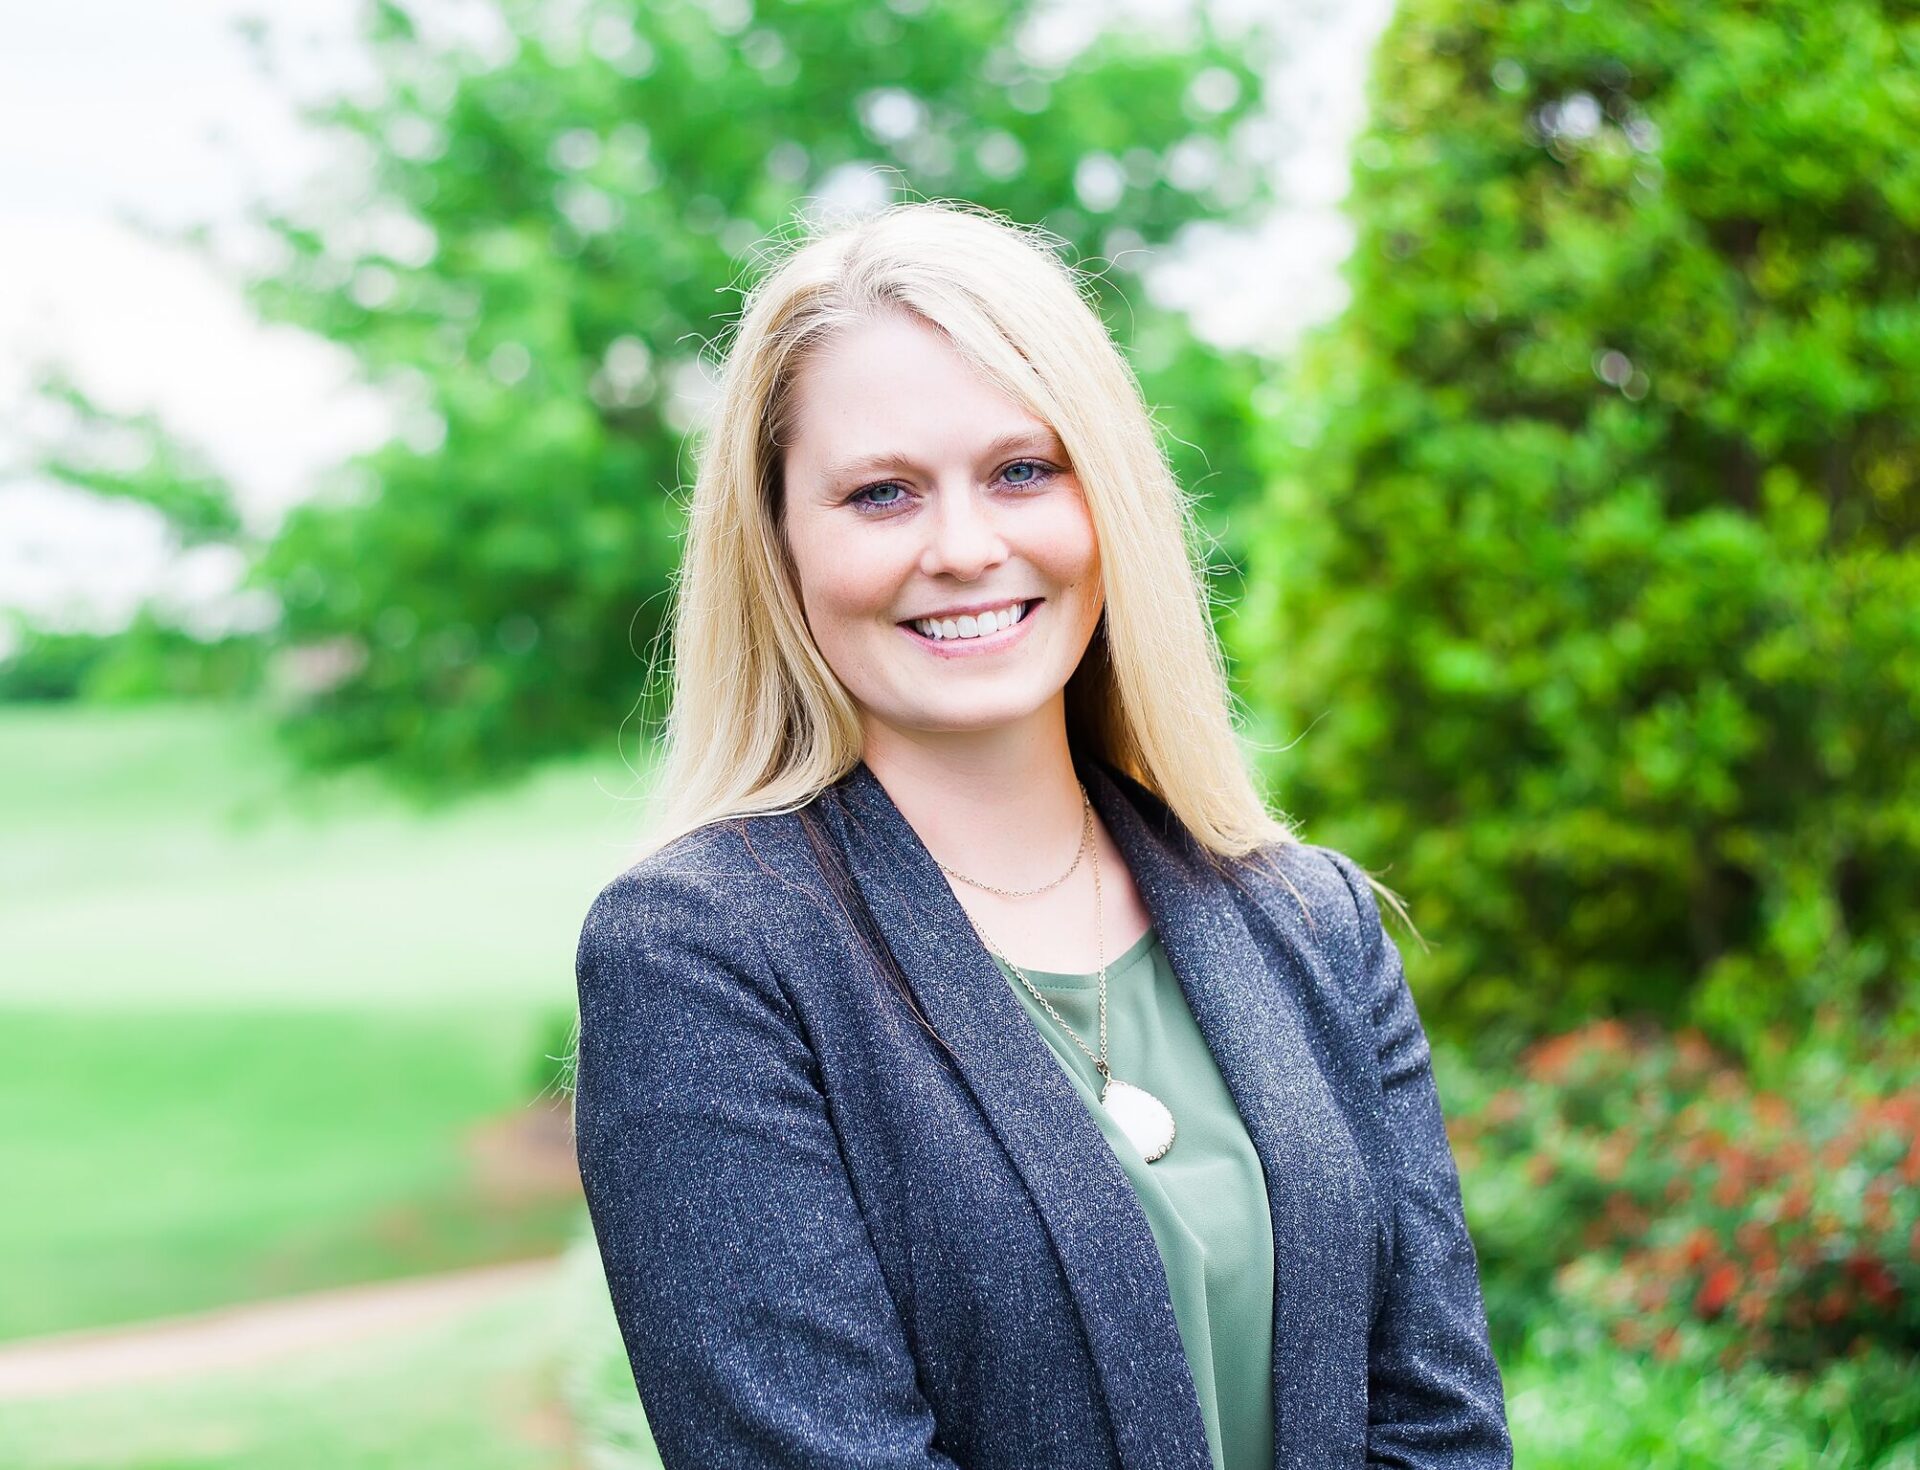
[{"x": 962, "y": 540}]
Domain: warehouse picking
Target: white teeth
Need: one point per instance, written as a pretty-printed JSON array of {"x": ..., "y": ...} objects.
[{"x": 971, "y": 626}]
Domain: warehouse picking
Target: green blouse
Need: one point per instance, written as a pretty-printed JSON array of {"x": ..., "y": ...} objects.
[{"x": 1205, "y": 1198}]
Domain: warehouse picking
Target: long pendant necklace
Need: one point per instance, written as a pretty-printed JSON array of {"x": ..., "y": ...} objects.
[{"x": 1145, "y": 1120}]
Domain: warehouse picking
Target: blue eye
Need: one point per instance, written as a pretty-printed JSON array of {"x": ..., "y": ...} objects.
[
  {"x": 873, "y": 504},
  {"x": 1039, "y": 471}
]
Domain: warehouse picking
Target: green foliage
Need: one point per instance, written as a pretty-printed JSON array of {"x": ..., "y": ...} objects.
[
  {"x": 1642, "y": 1188},
  {"x": 43, "y": 666},
  {"x": 1588, "y": 609},
  {"x": 1596, "y": 1407},
  {"x": 148, "y": 659},
  {"x": 136, "y": 458},
  {"x": 555, "y": 232}
]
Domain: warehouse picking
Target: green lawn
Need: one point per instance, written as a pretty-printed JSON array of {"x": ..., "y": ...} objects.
[
  {"x": 167, "y": 858},
  {"x": 163, "y": 1162},
  {"x": 248, "y": 1026},
  {"x": 481, "y": 1391}
]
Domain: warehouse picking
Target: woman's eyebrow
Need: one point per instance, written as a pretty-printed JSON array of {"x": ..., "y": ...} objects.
[{"x": 1044, "y": 440}]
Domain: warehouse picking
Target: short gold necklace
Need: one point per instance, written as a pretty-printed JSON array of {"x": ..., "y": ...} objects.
[
  {"x": 1086, "y": 832},
  {"x": 1146, "y": 1121}
]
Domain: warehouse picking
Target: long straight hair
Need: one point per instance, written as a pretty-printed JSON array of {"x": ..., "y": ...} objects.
[{"x": 758, "y": 722}]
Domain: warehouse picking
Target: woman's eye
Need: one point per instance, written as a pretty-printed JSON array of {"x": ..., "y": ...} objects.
[
  {"x": 1040, "y": 471},
  {"x": 857, "y": 497}
]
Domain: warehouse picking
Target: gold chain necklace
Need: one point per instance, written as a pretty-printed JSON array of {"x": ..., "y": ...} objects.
[
  {"x": 1146, "y": 1121},
  {"x": 1086, "y": 831}
]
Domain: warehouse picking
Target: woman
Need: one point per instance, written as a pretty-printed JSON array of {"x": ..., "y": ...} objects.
[{"x": 975, "y": 1073}]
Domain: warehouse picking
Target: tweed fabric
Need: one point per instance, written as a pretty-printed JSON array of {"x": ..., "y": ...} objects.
[{"x": 831, "y": 1243}]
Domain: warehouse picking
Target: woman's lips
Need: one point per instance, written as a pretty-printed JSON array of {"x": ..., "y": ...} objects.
[{"x": 969, "y": 647}]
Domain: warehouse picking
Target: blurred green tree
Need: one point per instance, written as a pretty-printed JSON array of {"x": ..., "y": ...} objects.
[
  {"x": 135, "y": 459},
  {"x": 151, "y": 658},
  {"x": 559, "y": 221},
  {"x": 1587, "y": 606}
]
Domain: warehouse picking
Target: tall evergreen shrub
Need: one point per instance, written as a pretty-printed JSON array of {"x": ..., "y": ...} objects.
[{"x": 1586, "y": 613}]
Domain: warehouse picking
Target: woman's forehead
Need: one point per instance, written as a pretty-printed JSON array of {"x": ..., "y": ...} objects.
[{"x": 886, "y": 396}]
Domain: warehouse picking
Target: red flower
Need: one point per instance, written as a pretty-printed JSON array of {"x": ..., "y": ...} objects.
[
  {"x": 1721, "y": 1283},
  {"x": 1697, "y": 1246},
  {"x": 1773, "y": 1110},
  {"x": 1874, "y": 1278},
  {"x": 1548, "y": 1060},
  {"x": 1505, "y": 1106}
]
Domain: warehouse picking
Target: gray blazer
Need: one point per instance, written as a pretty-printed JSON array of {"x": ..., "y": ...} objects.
[{"x": 833, "y": 1240}]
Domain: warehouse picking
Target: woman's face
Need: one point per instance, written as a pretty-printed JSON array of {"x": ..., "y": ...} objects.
[{"x": 916, "y": 489}]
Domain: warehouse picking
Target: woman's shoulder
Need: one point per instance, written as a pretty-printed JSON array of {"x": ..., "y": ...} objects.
[
  {"x": 1303, "y": 879},
  {"x": 1325, "y": 901},
  {"x": 719, "y": 885},
  {"x": 1311, "y": 884}
]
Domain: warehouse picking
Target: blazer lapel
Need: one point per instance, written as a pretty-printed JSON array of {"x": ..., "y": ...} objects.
[
  {"x": 1244, "y": 991},
  {"x": 1247, "y": 994},
  {"x": 1106, "y": 1248}
]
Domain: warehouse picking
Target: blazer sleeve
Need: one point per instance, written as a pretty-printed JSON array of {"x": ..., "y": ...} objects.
[
  {"x": 1435, "y": 1400},
  {"x": 749, "y": 1297}
]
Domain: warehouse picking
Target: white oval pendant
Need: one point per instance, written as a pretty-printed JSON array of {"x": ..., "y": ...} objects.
[{"x": 1145, "y": 1120}]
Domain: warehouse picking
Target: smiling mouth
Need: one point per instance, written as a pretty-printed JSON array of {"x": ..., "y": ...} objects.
[{"x": 971, "y": 628}]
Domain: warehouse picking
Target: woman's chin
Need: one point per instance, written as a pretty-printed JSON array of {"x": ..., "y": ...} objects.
[{"x": 958, "y": 716}]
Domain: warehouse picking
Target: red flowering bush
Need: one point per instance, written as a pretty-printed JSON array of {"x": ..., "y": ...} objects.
[{"x": 1686, "y": 1208}]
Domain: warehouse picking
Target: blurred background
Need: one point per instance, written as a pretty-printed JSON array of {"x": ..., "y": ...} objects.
[{"x": 1548, "y": 377}]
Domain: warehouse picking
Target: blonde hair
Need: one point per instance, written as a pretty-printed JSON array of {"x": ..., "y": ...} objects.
[{"x": 758, "y": 722}]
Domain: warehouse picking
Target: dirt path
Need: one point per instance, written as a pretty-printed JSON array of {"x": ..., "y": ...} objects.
[{"x": 256, "y": 1332}]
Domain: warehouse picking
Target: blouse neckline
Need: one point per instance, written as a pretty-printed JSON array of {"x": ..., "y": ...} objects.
[{"x": 1090, "y": 979}]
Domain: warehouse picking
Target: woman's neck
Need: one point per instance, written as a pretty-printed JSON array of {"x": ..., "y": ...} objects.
[
  {"x": 1004, "y": 808},
  {"x": 1001, "y": 805}
]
